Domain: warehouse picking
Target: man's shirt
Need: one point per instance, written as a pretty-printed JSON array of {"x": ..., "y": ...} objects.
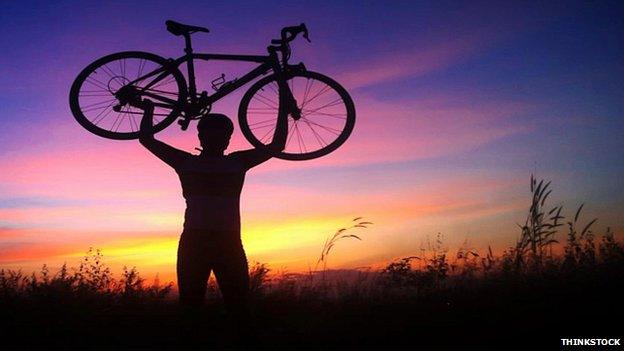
[{"x": 211, "y": 186}]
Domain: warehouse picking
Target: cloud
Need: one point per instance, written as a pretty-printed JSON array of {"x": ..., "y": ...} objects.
[
  {"x": 416, "y": 129},
  {"x": 413, "y": 62},
  {"x": 37, "y": 202}
]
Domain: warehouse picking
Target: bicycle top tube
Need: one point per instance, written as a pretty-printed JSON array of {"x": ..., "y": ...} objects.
[{"x": 229, "y": 57}]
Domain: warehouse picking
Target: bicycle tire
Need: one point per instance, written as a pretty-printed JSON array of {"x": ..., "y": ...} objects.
[
  {"x": 100, "y": 89},
  {"x": 341, "y": 132}
]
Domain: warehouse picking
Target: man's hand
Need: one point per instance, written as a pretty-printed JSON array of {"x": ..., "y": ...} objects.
[
  {"x": 170, "y": 155},
  {"x": 147, "y": 122},
  {"x": 254, "y": 157}
]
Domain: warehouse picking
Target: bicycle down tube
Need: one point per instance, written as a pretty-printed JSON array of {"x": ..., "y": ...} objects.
[{"x": 268, "y": 63}]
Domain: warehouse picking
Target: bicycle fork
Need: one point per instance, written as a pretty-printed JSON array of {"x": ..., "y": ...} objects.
[{"x": 289, "y": 101}]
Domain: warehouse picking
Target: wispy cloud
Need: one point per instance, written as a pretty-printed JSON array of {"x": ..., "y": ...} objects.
[
  {"x": 388, "y": 66},
  {"x": 37, "y": 202}
]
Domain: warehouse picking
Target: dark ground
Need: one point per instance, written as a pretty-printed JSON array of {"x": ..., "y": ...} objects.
[{"x": 494, "y": 313}]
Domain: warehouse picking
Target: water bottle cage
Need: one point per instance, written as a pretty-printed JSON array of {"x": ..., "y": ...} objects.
[
  {"x": 217, "y": 82},
  {"x": 220, "y": 82}
]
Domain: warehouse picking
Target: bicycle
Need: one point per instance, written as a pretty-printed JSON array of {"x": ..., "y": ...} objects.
[{"x": 321, "y": 113}]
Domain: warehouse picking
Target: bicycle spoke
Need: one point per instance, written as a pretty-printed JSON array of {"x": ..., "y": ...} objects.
[
  {"x": 135, "y": 122},
  {"x": 115, "y": 122},
  {"x": 289, "y": 134},
  {"x": 108, "y": 72},
  {"x": 300, "y": 139},
  {"x": 98, "y": 107},
  {"x": 331, "y": 130},
  {"x": 318, "y": 137},
  {"x": 132, "y": 120},
  {"x": 93, "y": 94},
  {"x": 265, "y": 103},
  {"x": 276, "y": 91},
  {"x": 307, "y": 91},
  {"x": 269, "y": 100},
  {"x": 265, "y": 113},
  {"x": 99, "y": 103},
  {"x": 333, "y": 115},
  {"x": 92, "y": 91},
  {"x": 125, "y": 114},
  {"x": 262, "y": 109},
  {"x": 112, "y": 74},
  {"x": 262, "y": 127},
  {"x": 163, "y": 82},
  {"x": 140, "y": 70},
  {"x": 103, "y": 115},
  {"x": 120, "y": 122},
  {"x": 262, "y": 122},
  {"x": 334, "y": 102},
  {"x": 319, "y": 93},
  {"x": 266, "y": 134},
  {"x": 97, "y": 83},
  {"x": 141, "y": 113}
]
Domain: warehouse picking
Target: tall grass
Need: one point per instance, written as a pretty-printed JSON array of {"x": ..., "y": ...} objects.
[
  {"x": 340, "y": 234},
  {"x": 526, "y": 291},
  {"x": 92, "y": 280},
  {"x": 539, "y": 229},
  {"x": 532, "y": 254}
]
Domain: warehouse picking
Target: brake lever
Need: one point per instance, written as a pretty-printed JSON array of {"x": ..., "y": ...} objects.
[{"x": 305, "y": 32}]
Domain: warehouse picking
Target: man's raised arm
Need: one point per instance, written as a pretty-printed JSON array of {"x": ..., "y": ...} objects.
[
  {"x": 254, "y": 157},
  {"x": 170, "y": 155}
]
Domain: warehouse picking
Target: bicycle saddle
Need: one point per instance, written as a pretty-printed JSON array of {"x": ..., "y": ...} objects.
[{"x": 178, "y": 29}]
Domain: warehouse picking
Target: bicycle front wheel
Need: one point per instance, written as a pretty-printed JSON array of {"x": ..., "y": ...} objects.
[
  {"x": 92, "y": 98},
  {"x": 327, "y": 115}
]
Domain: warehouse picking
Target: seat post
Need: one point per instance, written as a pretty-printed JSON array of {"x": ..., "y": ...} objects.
[
  {"x": 191, "y": 68},
  {"x": 187, "y": 41}
]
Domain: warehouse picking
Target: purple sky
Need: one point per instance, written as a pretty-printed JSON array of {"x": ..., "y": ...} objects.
[{"x": 457, "y": 105}]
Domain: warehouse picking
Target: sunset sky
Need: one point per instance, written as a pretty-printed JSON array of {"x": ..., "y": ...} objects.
[{"x": 457, "y": 104}]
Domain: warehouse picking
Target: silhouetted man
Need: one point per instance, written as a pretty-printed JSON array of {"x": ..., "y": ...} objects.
[{"x": 211, "y": 184}]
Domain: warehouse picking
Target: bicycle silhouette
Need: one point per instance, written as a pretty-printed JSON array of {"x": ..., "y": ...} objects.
[{"x": 104, "y": 96}]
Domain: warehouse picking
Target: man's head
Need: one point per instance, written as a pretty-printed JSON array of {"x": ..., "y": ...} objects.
[{"x": 214, "y": 131}]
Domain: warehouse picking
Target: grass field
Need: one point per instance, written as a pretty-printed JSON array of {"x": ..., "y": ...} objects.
[{"x": 526, "y": 297}]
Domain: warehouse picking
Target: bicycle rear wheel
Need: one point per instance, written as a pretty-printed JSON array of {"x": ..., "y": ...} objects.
[
  {"x": 92, "y": 94},
  {"x": 327, "y": 115}
]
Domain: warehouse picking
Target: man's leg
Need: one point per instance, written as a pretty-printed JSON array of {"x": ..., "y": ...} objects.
[
  {"x": 193, "y": 270},
  {"x": 232, "y": 274}
]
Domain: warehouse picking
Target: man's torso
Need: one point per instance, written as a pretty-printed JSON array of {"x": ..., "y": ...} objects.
[{"x": 212, "y": 187}]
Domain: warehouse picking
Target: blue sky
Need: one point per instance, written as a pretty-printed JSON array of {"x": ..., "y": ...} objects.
[{"x": 458, "y": 103}]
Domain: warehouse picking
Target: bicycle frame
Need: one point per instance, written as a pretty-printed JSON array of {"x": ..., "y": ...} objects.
[{"x": 268, "y": 63}]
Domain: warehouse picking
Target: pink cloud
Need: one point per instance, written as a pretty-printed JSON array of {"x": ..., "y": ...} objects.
[
  {"x": 412, "y": 62},
  {"x": 384, "y": 132},
  {"x": 418, "y": 129}
]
